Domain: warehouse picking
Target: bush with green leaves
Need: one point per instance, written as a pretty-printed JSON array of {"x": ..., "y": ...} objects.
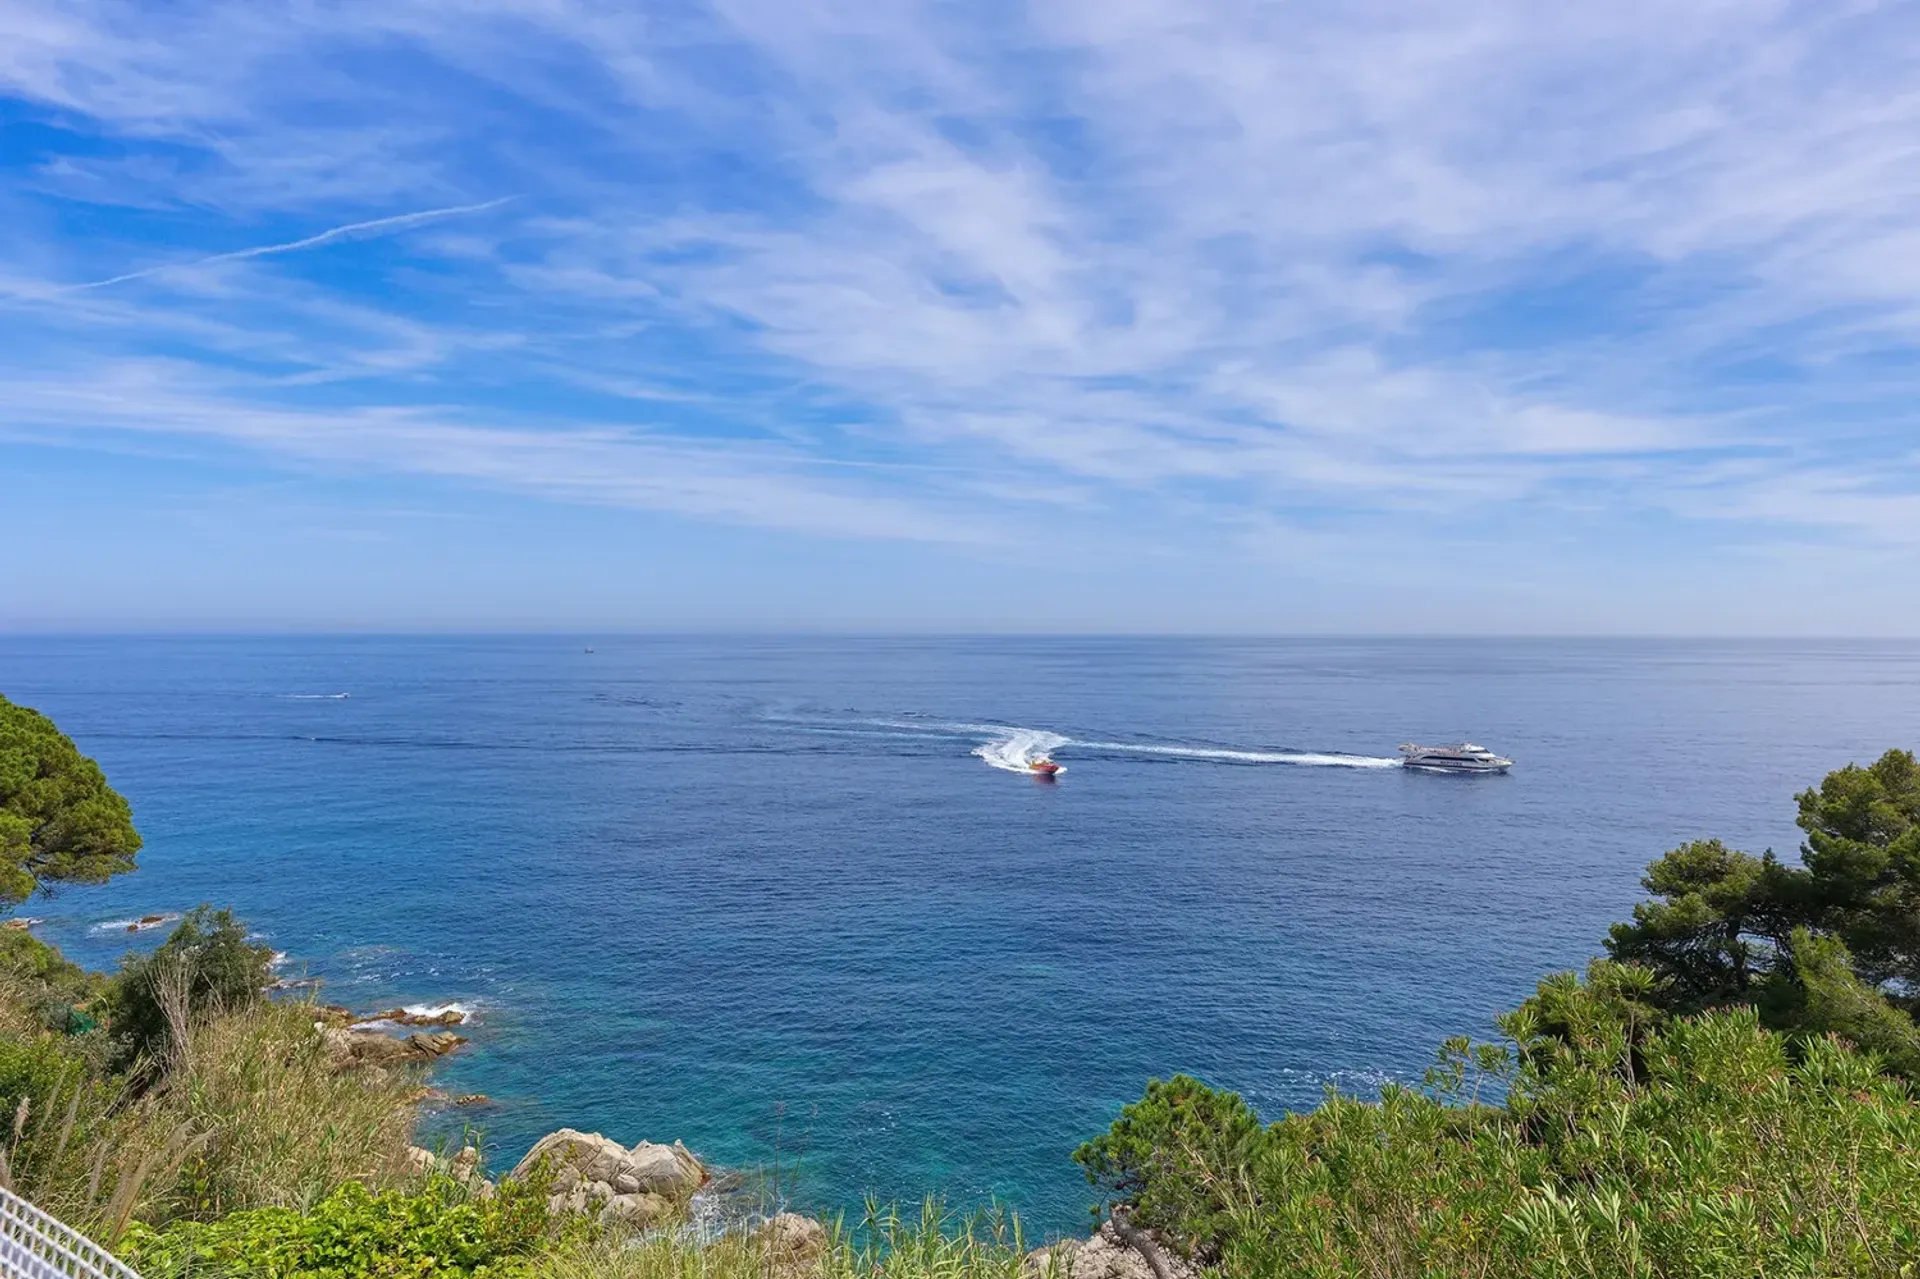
[
  {"x": 52, "y": 991},
  {"x": 54, "y": 1111},
  {"x": 1619, "y": 1146},
  {"x": 442, "y": 1231},
  {"x": 205, "y": 967},
  {"x": 1179, "y": 1127}
]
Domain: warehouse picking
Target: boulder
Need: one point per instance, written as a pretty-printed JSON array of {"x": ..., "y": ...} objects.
[
  {"x": 1105, "y": 1256},
  {"x": 790, "y": 1246},
  {"x": 670, "y": 1170},
  {"x": 638, "y": 1211},
  {"x": 349, "y": 1049},
  {"x": 591, "y": 1172},
  {"x": 473, "y": 1099},
  {"x": 401, "y": 1017},
  {"x": 463, "y": 1166}
]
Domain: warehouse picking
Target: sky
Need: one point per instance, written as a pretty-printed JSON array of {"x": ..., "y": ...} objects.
[{"x": 1292, "y": 316}]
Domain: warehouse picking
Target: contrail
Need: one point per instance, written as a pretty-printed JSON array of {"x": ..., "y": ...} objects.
[{"x": 324, "y": 237}]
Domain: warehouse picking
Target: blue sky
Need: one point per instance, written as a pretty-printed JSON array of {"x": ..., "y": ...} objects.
[{"x": 1158, "y": 315}]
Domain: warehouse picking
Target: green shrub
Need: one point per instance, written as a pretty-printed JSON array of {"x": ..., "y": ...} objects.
[
  {"x": 53, "y": 1112},
  {"x": 1705, "y": 1146},
  {"x": 206, "y": 966},
  {"x": 438, "y": 1232},
  {"x": 1175, "y": 1158}
]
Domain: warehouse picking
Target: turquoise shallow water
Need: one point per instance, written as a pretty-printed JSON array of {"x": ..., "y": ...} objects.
[{"x": 762, "y": 895}]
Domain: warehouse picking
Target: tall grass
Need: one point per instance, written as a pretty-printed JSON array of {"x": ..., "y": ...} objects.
[
  {"x": 277, "y": 1127},
  {"x": 246, "y": 1113}
]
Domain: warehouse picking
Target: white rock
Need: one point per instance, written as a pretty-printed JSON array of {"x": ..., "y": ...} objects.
[
  {"x": 790, "y": 1245},
  {"x": 590, "y": 1170}
]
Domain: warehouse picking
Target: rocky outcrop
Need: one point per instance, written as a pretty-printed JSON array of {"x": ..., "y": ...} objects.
[
  {"x": 648, "y": 1185},
  {"x": 463, "y": 1167},
  {"x": 790, "y": 1246},
  {"x": 401, "y": 1017},
  {"x": 350, "y": 1049},
  {"x": 1114, "y": 1252}
]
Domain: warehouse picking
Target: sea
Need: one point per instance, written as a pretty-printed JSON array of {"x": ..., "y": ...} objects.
[{"x": 796, "y": 902}]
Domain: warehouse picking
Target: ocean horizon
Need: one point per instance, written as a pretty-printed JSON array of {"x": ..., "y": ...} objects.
[{"x": 792, "y": 899}]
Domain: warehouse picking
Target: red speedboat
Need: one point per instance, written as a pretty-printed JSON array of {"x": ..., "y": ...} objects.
[{"x": 1043, "y": 767}]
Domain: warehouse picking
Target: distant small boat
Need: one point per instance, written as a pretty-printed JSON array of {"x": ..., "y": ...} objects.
[
  {"x": 589, "y": 650},
  {"x": 1464, "y": 758},
  {"x": 1042, "y": 767}
]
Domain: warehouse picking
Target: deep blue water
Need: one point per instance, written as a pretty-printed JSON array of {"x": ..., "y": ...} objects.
[{"x": 723, "y": 889}]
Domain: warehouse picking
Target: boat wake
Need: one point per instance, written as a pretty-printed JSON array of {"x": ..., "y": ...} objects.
[
  {"x": 1015, "y": 749},
  {"x": 1300, "y": 759},
  {"x": 1018, "y": 748}
]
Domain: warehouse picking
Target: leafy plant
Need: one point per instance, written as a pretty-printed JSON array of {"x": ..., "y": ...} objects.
[
  {"x": 1177, "y": 1160},
  {"x": 438, "y": 1232},
  {"x": 204, "y": 968}
]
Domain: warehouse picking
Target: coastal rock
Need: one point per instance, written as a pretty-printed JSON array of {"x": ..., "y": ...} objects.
[
  {"x": 1105, "y": 1256},
  {"x": 790, "y": 1246},
  {"x": 591, "y": 1172},
  {"x": 332, "y": 1015},
  {"x": 145, "y": 922},
  {"x": 463, "y": 1166},
  {"x": 639, "y": 1211},
  {"x": 401, "y": 1017},
  {"x": 350, "y": 1049},
  {"x": 18, "y": 925},
  {"x": 473, "y": 1099},
  {"x": 437, "y": 1043}
]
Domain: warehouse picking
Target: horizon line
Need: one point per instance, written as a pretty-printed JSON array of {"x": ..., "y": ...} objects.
[{"x": 8, "y": 633}]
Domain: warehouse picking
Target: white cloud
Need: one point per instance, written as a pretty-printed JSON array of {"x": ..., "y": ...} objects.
[{"x": 1244, "y": 259}]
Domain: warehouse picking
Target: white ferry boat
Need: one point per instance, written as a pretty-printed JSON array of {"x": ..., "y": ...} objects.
[{"x": 1464, "y": 758}]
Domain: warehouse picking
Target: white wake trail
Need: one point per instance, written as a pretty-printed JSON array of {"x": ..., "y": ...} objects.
[
  {"x": 1016, "y": 748},
  {"x": 1302, "y": 759}
]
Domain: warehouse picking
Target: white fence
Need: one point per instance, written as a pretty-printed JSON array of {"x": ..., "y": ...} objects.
[{"x": 35, "y": 1246}]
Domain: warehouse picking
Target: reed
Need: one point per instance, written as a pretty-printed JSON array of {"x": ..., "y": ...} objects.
[{"x": 246, "y": 1113}]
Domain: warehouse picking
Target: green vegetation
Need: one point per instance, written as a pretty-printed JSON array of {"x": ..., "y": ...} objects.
[
  {"x": 438, "y": 1229},
  {"x": 247, "y": 1113},
  {"x": 1727, "y": 928},
  {"x": 1717, "y": 1154},
  {"x": 59, "y": 820},
  {"x": 206, "y": 967}
]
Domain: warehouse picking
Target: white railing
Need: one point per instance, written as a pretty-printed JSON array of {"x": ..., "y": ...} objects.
[{"x": 35, "y": 1246}]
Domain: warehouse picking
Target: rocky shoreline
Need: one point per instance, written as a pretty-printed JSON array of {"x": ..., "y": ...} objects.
[
  {"x": 651, "y": 1186},
  {"x": 648, "y": 1186}
]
